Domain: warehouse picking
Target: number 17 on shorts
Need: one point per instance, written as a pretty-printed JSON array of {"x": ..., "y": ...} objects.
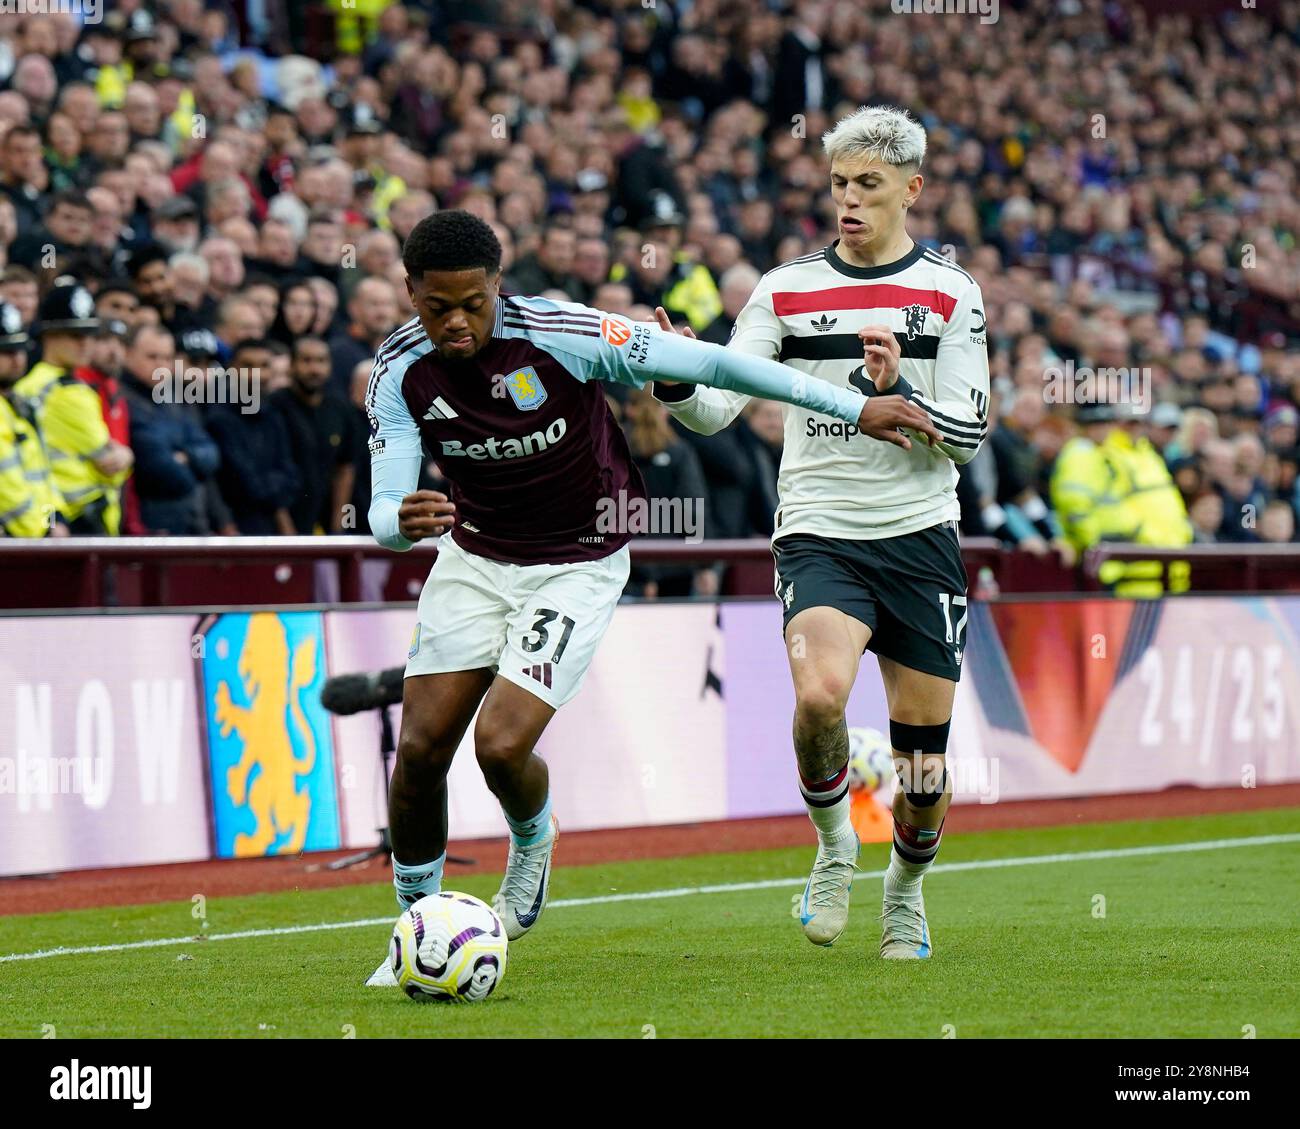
[{"x": 954, "y": 633}]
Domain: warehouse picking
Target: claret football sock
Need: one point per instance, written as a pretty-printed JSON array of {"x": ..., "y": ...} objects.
[
  {"x": 527, "y": 832},
  {"x": 828, "y": 808},
  {"x": 417, "y": 880}
]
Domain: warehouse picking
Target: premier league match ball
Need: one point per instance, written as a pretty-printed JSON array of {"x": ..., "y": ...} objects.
[
  {"x": 871, "y": 760},
  {"x": 449, "y": 946}
]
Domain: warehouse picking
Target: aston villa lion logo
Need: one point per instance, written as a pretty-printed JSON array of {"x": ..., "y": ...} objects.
[{"x": 525, "y": 388}]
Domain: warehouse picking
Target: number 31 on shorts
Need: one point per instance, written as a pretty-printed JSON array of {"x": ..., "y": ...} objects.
[
  {"x": 540, "y": 636},
  {"x": 953, "y": 634}
]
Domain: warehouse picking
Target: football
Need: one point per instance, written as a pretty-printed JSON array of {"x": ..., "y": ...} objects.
[
  {"x": 449, "y": 946},
  {"x": 871, "y": 760}
]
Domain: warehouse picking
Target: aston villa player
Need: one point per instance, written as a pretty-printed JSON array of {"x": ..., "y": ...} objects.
[{"x": 505, "y": 393}]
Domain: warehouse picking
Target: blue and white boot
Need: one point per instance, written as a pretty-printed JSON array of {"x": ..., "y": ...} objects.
[
  {"x": 823, "y": 907},
  {"x": 906, "y": 935},
  {"x": 522, "y": 897}
]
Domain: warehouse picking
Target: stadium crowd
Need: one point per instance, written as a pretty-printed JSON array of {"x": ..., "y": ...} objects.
[{"x": 186, "y": 186}]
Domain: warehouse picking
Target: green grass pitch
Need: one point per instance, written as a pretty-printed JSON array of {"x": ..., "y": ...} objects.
[{"x": 1184, "y": 944}]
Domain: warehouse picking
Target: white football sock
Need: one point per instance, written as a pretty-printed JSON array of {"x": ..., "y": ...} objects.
[
  {"x": 903, "y": 878},
  {"x": 829, "y": 804}
]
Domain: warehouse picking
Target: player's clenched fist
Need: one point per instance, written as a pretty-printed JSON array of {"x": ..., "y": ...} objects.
[
  {"x": 881, "y": 353},
  {"x": 882, "y": 416},
  {"x": 426, "y": 513}
]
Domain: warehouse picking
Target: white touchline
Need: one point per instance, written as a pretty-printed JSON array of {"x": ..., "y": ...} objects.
[{"x": 683, "y": 892}]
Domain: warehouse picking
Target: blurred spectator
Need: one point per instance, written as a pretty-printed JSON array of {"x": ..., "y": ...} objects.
[
  {"x": 295, "y": 311},
  {"x": 549, "y": 267},
  {"x": 175, "y": 457},
  {"x": 18, "y": 287},
  {"x": 257, "y": 478},
  {"x": 324, "y": 435},
  {"x": 23, "y": 176},
  {"x": 1277, "y": 525},
  {"x": 65, "y": 234},
  {"x": 735, "y": 287},
  {"x": 676, "y": 496},
  {"x": 1206, "y": 513},
  {"x": 372, "y": 316},
  {"x": 151, "y": 276}
]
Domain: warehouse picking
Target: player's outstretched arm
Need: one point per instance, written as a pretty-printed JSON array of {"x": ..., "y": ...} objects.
[
  {"x": 707, "y": 411},
  {"x": 638, "y": 352}
]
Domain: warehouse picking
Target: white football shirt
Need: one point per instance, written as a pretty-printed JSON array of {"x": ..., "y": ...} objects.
[{"x": 835, "y": 482}]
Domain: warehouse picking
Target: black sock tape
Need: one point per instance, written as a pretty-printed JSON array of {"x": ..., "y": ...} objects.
[{"x": 919, "y": 738}]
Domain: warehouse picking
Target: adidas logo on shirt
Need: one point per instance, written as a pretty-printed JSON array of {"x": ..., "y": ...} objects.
[
  {"x": 823, "y": 325},
  {"x": 440, "y": 409}
]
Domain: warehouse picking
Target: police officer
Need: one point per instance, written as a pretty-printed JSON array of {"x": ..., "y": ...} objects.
[
  {"x": 30, "y": 504},
  {"x": 677, "y": 282},
  {"x": 89, "y": 465}
]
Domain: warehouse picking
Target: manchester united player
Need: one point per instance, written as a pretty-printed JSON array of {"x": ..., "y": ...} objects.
[
  {"x": 866, "y": 533},
  {"x": 504, "y": 392}
]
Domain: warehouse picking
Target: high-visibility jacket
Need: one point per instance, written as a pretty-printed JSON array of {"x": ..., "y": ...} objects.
[
  {"x": 29, "y": 500},
  {"x": 1121, "y": 490},
  {"x": 355, "y": 22},
  {"x": 387, "y": 189},
  {"x": 180, "y": 125},
  {"x": 70, "y": 420},
  {"x": 689, "y": 290},
  {"x": 1156, "y": 515},
  {"x": 111, "y": 83},
  {"x": 1154, "y": 503},
  {"x": 1088, "y": 489}
]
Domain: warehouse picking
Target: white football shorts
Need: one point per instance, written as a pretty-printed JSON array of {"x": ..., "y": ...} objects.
[{"x": 537, "y": 625}]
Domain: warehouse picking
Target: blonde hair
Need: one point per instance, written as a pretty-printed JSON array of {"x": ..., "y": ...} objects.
[{"x": 884, "y": 133}]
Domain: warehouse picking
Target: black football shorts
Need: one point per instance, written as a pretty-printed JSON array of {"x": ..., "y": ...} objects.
[{"x": 910, "y": 590}]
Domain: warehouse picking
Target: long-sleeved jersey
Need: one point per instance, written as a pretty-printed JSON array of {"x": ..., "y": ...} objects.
[
  {"x": 522, "y": 430},
  {"x": 807, "y": 313}
]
